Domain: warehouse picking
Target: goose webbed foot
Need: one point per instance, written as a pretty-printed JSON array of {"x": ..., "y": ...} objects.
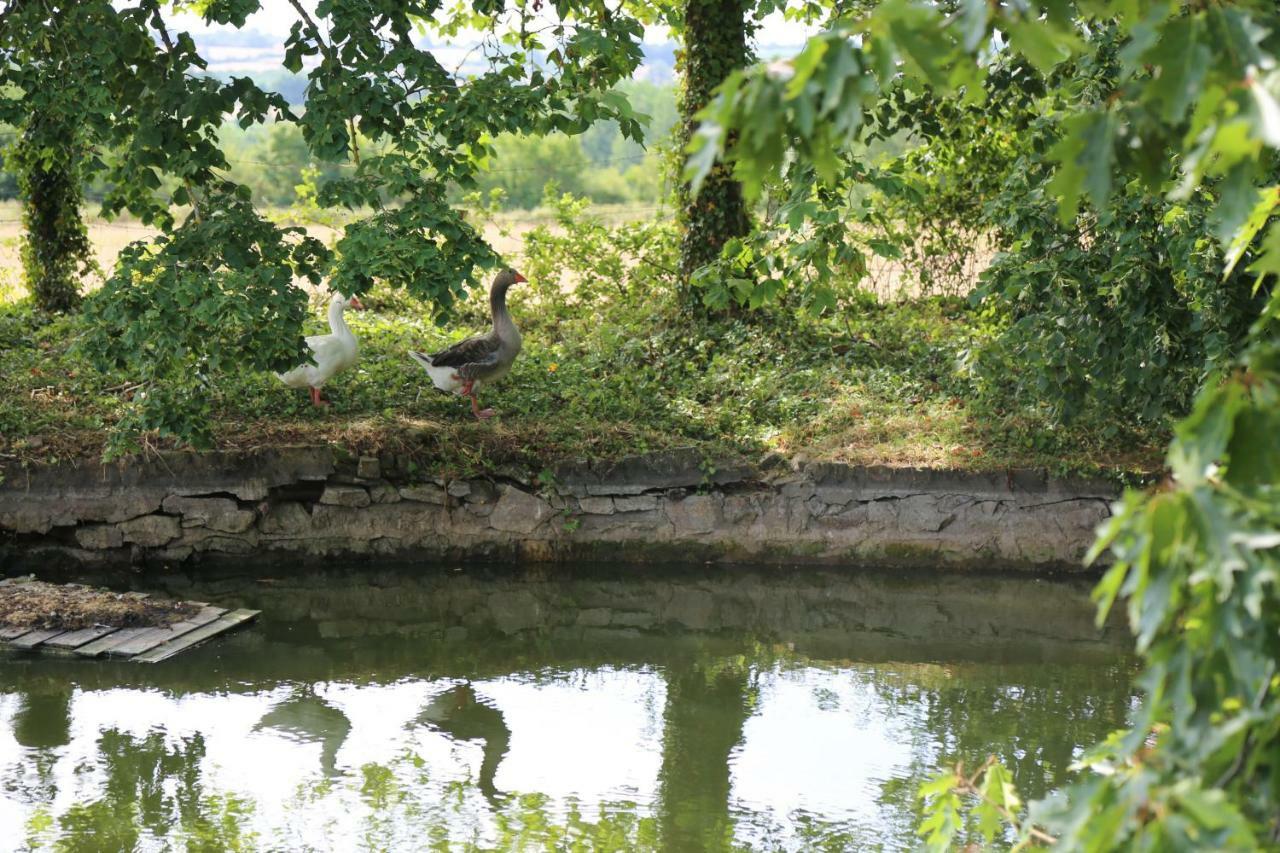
[{"x": 481, "y": 414}]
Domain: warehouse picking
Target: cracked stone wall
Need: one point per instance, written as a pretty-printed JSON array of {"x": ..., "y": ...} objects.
[{"x": 316, "y": 503}]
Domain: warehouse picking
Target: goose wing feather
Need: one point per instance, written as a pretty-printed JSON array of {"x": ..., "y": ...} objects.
[
  {"x": 324, "y": 348},
  {"x": 474, "y": 350}
]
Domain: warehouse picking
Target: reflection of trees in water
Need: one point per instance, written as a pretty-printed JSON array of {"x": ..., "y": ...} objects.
[
  {"x": 42, "y": 723},
  {"x": 43, "y": 719},
  {"x": 152, "y": 788},
  {"x": 708, "y": 701},
  {"x": 1035, "y": 719}
]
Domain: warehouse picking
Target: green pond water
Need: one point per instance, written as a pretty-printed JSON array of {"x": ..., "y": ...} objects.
[{"x": 663, "y": 709}]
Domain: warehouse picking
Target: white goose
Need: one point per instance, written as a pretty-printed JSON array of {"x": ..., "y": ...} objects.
[{"x": 331, "y": 353}]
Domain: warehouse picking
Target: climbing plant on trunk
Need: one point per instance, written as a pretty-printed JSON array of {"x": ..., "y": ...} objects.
[
  {"x": 56, "y": 251},
  {"x": 715, "y": 45}
]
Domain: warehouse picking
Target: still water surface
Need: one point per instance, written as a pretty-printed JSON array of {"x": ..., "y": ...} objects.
[{"x": 523, "y": 709}]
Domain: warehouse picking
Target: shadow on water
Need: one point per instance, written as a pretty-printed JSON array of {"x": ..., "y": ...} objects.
[{"x": 672, "y": 709}]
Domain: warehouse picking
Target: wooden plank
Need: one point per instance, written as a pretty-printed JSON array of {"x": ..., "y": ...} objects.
[
  {"x": 153, "y": 637},
  {"x": 12, "y": 632},
  {"x": 72, "y": 639},
  {"x": 100, "y": 646},
  {"x": 31, "y": 639},
  {"x": 224, "y": 623}
]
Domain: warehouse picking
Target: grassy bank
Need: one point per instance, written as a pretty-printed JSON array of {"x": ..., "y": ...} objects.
[{"x": 611, "y": 366}]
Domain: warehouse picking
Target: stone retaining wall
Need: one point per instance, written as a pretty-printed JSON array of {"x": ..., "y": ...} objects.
[{"x": 316, "y": 502}]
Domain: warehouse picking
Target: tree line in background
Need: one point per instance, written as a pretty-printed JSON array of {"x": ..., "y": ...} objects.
[{"x": 600, "y": 164}]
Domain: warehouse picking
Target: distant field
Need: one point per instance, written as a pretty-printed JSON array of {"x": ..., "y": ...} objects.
[
  {"x": 506, "y": 234},
  {"x": 887, "y": 279}
]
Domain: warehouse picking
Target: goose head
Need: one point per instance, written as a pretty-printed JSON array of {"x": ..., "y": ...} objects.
[{"x": 505, "y": 279}]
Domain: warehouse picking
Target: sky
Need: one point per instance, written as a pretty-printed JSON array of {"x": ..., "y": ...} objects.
[{"x": 259, "y": 45}]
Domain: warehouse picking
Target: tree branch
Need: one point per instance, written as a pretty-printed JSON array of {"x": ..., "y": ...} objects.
[{"x": 969, "y": 785}]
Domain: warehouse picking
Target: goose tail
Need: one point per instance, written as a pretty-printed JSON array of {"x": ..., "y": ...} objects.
[{"x": 443, "y": 378}]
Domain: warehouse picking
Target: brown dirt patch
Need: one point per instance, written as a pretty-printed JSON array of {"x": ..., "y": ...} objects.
[{"x": 29, "y": 603}]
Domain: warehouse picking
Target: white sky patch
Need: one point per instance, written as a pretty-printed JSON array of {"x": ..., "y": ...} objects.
[
  {"x": 821, "y": 740},
  {"x": 259, "y": 45},
  {"x": 595, "y": 738}
]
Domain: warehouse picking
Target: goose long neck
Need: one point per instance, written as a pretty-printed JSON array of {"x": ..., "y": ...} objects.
[
  {"x": 502, "y": 322},
  {"x": 338, "y": 319}
]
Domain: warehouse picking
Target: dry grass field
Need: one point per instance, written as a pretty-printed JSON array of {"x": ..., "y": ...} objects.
[
  {"x": 889, "y": 280},
  {"x": 505, "y": 233}
]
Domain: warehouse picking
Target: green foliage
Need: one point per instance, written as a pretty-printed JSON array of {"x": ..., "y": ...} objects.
[
  {"x": 210, "y": 296},
  {"x": 1122, "y": 317},
  {"x": 408, "y": 130},
  {"x": 1196, "y": 562},
  {"x": 1188, "y": 92},
  {"x": 611, "y": 366},
  {"x": 1115, "y": 316},
  {"x": 55, "y": 243},
  {"x": 1198, "y": 566}
]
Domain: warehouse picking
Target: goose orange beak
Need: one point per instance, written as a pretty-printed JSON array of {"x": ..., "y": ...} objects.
[
  {"x": 356, "y": 303},
  {"x": 520, "y": 277}
]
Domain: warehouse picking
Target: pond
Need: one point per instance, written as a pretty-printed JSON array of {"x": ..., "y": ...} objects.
[{"x": 523, "y": 708}]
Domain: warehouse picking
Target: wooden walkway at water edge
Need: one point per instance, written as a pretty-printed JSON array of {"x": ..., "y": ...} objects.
[{"x": 142, "y": 644}]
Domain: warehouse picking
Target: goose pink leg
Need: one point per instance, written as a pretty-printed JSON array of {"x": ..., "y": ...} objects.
[{"x": 480, "y": 413}]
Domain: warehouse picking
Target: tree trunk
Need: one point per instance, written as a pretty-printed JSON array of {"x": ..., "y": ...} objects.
[
  {"x": 715, "y": 44},
  {"x": 55, "y": 246}
]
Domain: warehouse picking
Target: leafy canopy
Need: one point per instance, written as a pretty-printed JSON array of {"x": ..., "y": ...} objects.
[
  {"x": 1198, "y": 560},
  {"x": 404, "y": 127}
]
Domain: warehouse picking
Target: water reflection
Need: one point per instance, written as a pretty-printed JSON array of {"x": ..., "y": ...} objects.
[
  {"x": 308, "y": 718},
  {"x": 462, "y": 716},
  {"x": 767, "y": 711}
]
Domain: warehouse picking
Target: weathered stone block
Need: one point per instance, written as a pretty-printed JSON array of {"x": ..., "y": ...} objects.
[
  {"x": 405, "y": 522},
  {"x": 222, "y": 514},
  {"x": 151, "y": 531},
  {"x": 636, "y": 503},
  {"x": 633, "y": 619},
  {"x": 384, "y": 493},
  {"x": 460, "y": 520},
  {"x": 596, "y": 506},
  {"x": 459, "y": 488},
  {"x": 426, "y": 493},
  {"x": 368, "y": 468},
  {"x": 286, "y": 518},
  {"x": 482, "y": 492},
  {"x": 921, "y": 513},
  {"x": 225, "y": 545},
  {"x": 740, "y": 509},
  {"x": 96, "y": 537},
  {"x": 344, "y": 496},
  {"x": 694, "y": 514},
  {"x": 519, "y": 512}
]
